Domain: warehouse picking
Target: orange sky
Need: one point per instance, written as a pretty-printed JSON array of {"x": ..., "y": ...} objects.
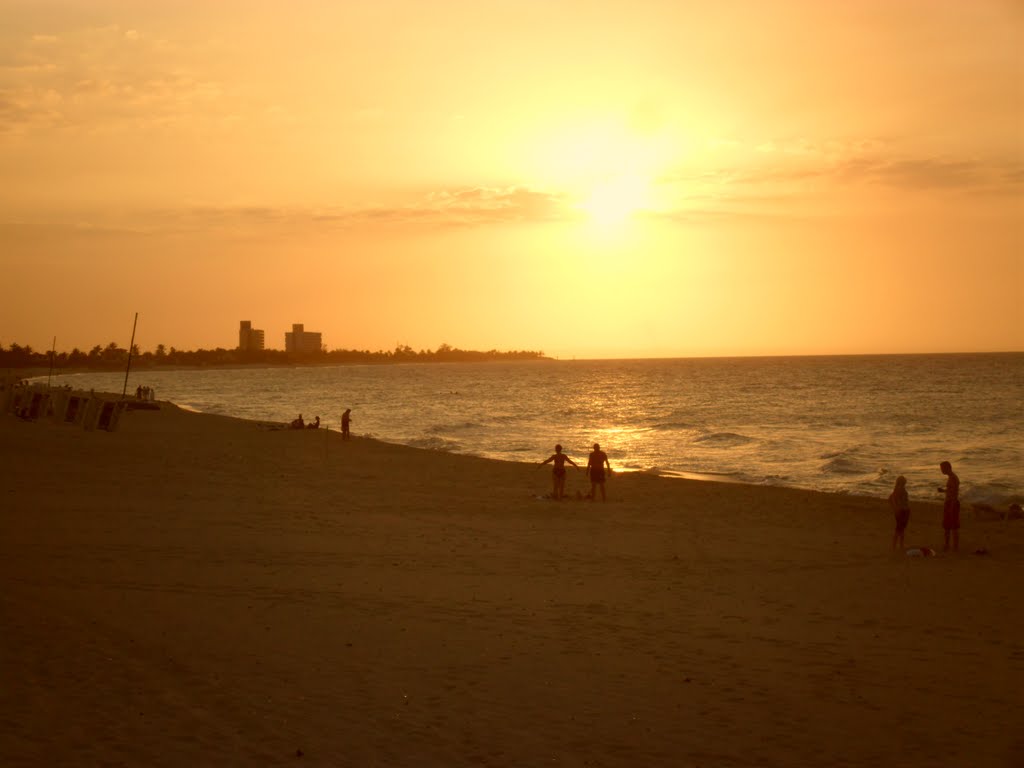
[{"x": 590, "y": 179}]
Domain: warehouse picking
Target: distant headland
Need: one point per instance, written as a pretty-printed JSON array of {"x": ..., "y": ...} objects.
[{"x": 113, "y": 357}]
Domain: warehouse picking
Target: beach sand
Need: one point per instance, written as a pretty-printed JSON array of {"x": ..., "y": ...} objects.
[{"x": 199, "y": 590}]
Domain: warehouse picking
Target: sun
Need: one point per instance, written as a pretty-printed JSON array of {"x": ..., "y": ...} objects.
[{"x": 613, "y": 202}]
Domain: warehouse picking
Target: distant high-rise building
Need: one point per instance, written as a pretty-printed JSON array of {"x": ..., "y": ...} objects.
[
  {"x": 249, "y": 338},
  {"x": 301, "y": 340}
]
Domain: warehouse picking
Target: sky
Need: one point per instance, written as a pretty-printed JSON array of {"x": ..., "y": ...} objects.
[{"x": 611, "y": 178}]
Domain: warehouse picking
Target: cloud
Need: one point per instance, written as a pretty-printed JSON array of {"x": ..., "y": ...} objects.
[
  {"x": 441, "y": 209},
  {"x": 483, "y": 205},
  {"x": 931, "y": 173},
  {"x": 459, "y": 207},
  {"x": 26, "y": 106},
  {"x": 106, "y": 78},
  {"x": 808, "y": 167}
]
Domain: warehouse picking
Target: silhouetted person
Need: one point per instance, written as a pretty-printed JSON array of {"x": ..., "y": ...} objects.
[
  {"x": 596, "y": 463},
  {"x": 315, "y": 424},
  {"x": 951, "y": 506},
  {"x": 558, "y": 472},
  {"x": 298, "y": 423},
  {"x": 346, "y": 419},
  {"x": 900, "y": 503}
]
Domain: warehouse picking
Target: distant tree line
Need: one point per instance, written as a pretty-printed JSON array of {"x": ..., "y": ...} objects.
[{"x": 114, "y": 357}]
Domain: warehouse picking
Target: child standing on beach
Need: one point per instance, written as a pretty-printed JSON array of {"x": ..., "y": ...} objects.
[
  {"x": 558, "y": 472},
  {"x": 900, "y": 503}
]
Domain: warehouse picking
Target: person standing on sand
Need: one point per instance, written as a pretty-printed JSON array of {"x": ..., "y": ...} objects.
[
  {"x": 596, "y": 463},
  {"x": 951, "y": 506},
  {"x": 900, "y": 503},
  {"x": 558, "y": 472},
  {"x": 346, "y": 419}
]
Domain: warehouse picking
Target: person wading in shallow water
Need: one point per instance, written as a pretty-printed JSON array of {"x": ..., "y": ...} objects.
[
  {"x": 951, "y": 506},
  {"x": 558, "y": 472},
  {"x": 346, "y": 419},
  {"x": 596, "y": 463}
]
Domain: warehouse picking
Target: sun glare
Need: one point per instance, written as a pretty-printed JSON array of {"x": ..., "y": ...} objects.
[{"x": 612, "y": 203}]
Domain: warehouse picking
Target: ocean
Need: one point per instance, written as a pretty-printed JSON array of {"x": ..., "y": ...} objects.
[{"x": 835, "y": 424}]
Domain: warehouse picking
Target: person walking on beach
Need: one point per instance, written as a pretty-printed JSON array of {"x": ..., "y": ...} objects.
[
  {"x": 346, "y": 419},
  {"x": 596, "y": 463},
  {"x": 900, "y": 503},
  {"x": 951, "y": 506},
  {"x": 558, "y": 472}
]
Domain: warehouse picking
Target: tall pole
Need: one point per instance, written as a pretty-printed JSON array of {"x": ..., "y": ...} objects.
[
  {"x": 53, "y": 354},
  {"x": 131, "y": 346}
]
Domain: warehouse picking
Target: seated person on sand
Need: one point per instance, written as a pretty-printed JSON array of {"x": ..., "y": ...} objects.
[
  {"x": 314, "y": 424},
  {"x": 298, "y": 423},
  {"x": 558, "y": 473}
]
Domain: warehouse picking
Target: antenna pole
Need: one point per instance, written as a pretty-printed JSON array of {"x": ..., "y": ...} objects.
[
  {"x": 131, "y": 346},
  {"x": 53, "y": 354}
]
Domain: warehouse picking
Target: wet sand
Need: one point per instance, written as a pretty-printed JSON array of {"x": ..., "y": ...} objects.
[{"x": 199, "y": 590}]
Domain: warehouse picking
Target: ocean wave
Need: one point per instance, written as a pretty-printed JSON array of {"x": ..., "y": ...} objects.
[
  {"x": 435, "y": 444},
  {"x": 775, "y": 480},
  {"x": 439, "y": 428},
  {"x": 843, "y": 465},
  {"x": 671, "y": 426},
  {"x": 521, "y": 449},
  {"x": 659, "y": 471},
  {"x": 997, "y": 495},
  {"x": 724, "y": 439}
]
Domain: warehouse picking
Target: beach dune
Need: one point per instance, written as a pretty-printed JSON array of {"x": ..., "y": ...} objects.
[{"x": 197, "y": 590}]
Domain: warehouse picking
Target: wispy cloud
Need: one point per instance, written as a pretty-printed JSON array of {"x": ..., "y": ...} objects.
[
  {"x": 102, "y": 77},
  {"x": 785, "y": 168},
  {"x": 482, "y": 205},
  {"x": 440, "y": 209},
  {"x": 932, "y": 173},
  {"x": 460, "y": 207}
]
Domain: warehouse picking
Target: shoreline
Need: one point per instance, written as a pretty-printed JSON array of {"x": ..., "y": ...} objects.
[{"x": 989, "y": 502}]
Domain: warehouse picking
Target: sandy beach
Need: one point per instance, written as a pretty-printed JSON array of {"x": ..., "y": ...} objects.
[{"x": 200, "y": 590}]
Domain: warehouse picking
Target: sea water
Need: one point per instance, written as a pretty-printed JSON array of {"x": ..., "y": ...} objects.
[{"x": 836, "y": 424}]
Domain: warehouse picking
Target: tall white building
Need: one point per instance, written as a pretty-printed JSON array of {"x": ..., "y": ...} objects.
[{"x": 301, "y": 340}]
